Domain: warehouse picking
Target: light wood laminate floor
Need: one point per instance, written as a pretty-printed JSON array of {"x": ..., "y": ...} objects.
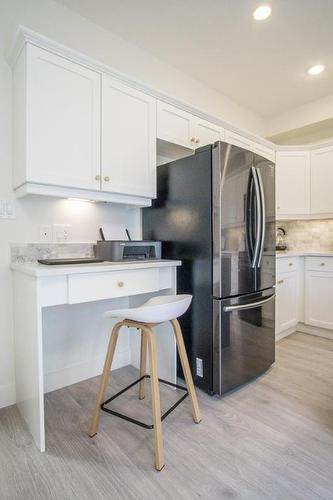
[{"x": 272, "y": 439}]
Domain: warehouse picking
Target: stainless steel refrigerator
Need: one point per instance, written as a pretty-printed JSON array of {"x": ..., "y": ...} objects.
[{"x": 215, "y": 210}]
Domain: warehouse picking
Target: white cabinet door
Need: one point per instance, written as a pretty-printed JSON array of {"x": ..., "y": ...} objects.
[
  {"x": 286, "y": 301},
  {"x": 128, "y": 140},
  {"x": 175, "y": 126},
  {"x": 319, "y": 299},
  {"x": 322, "y": 181},
  {"x": 207, "y": 132},
  {"x": 292, "y": 183},
  {"x": 238, "y": 140},
  {"x": 62, "y": 121}
]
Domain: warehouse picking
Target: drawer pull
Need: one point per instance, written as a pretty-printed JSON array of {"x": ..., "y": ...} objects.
[
  {"x": 280, "y": 282},
  {"x": 120, "y": 284}
]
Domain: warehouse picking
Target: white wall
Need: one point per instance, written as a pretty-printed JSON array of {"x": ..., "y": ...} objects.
[{"x": 64, "y": 26}]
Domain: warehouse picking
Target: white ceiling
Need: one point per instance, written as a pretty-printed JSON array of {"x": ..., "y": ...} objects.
[{"x": 260, "y": 65}]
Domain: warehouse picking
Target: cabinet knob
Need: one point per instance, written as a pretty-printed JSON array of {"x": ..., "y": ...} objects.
[
  {"x": 192, "y": 139},
  {"x": 290, "y": 263},
  {"x": 120, "y": 284},
  {"x": 322, "y": 263},
  {"x": 106, "y": 178},
  {"x": 280, "y": 282},
  {"x": 197, "y": 141},
  {"x": 278, "y": 208},
  {"x": 97, "y": 177}
]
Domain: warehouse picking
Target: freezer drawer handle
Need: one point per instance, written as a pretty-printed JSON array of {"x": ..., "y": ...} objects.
[{"x": 242, "y": 307}]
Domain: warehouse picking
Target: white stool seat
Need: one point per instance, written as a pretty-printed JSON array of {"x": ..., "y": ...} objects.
[{"x": 155, "y": 310}]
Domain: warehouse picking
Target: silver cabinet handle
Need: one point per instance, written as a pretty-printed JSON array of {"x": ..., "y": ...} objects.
[{"x": 243, "y": 307}]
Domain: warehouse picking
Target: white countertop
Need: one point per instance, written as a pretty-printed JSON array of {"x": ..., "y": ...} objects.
[
  {"x": 36, "y": 269},
  {"x": 296, "y": 253}
]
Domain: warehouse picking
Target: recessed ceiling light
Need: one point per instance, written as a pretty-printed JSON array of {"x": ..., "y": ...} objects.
[
  {"x": 262, "y": 13},
  {"x": 316, "y": 69}
]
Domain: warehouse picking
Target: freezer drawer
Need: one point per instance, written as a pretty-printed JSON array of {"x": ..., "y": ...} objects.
[{"x": 243, "y": 338}]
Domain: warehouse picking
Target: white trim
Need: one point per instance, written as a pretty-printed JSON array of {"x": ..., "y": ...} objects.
[
  {"x": 315, "y": 330},
  {"x": 305, "y": 147},
  {"x": 66, "y": 192},
  {"x": 308, "y": 329},
  {"x": 281, "y": 335},
  {"x": 7, "y": 395},
  {"x": 26, "y": 35}
]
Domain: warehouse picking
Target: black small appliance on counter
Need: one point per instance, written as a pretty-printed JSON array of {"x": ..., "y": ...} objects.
[{"x": 123, "y": 250}]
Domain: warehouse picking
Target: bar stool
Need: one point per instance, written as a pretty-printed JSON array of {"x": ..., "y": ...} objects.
[{"x": 154, "y": 311}]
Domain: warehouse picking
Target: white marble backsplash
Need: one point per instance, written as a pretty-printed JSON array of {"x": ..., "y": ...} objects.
[
  {"x": 31, "y": 252},
  {"x": 308, "y": 235}
]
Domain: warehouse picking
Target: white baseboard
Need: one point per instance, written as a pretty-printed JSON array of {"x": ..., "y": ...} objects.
[
  {"x": 7, "y": 395},
  {"x": 315, "y": 330},
  {"x": 285, "y": 333},
  {"x": 308, "y": 329},
  {"x": 74, "y": 373}
]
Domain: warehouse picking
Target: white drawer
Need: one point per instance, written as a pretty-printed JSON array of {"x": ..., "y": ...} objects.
[
  {"x": 319, "y": 263},
  {"x": 286, "y": 264},
  {"x": 98, "y": 286}
]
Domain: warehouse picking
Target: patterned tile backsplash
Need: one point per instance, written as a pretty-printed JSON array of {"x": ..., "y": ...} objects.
[
  {"x": 308, "y": 235},
  {"x": 31, "y": 252}
]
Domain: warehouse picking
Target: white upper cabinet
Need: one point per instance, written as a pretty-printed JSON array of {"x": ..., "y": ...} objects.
[
  {"x": 179, "y": 127},
  {"x": 322, "y": 181},
  {"x": 244, "y": 142},
  {"x": 207, "y": 133},
  {"x": 128, "y": 140},
  {"x": 292, "y": 183},
  {"x": 175, "y": 125},
  {"x": 57, "y": 121},
  {"x": 237, "y": 140}
]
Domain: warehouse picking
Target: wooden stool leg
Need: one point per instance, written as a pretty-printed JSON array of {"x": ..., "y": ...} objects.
[
  {"x": 143, "y": 356},
  {"x": 186, "y": 369},
  {"x": 155, "y": 396},
  {"x": 105, "y": 379}
]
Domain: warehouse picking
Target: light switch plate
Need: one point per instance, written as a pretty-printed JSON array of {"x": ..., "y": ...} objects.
[{"x": 7, "y": 209}]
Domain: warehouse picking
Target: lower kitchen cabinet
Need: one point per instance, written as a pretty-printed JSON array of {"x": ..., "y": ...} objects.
[
  {"x": 286, "y": 301},
  {"x": 287, "y": 293},
  {"x": 319, "y": 292}
]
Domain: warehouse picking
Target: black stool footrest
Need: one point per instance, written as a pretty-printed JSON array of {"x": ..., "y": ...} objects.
[{"x": 138, "y": 422}]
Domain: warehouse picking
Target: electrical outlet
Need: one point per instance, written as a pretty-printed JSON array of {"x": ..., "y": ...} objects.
[
  {"x": 62, "y": 232},
  {"x": 45, "y": 233}
]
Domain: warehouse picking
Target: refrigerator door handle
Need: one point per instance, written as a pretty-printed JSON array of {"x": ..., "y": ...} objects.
[
  {"x": 258, "y": 216},
  {"x": 248, "y": 217},
  {"x": 263, "y": 217},
  {"x": 243, "y": 307}
]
